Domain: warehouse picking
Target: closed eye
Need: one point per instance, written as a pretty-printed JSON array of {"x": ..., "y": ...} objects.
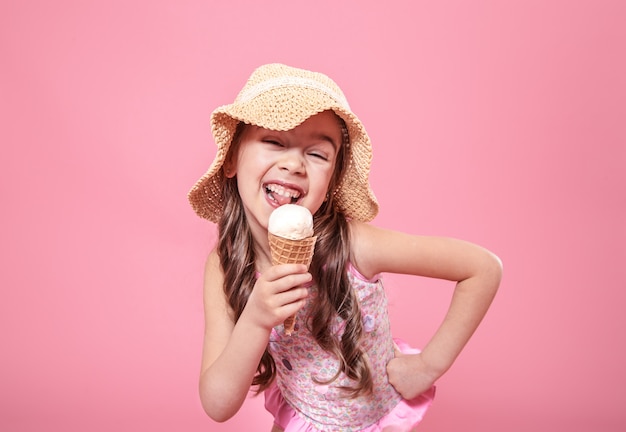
[
  {"x": 273, "y": 142},
  {"x": 319, "y": 156}
]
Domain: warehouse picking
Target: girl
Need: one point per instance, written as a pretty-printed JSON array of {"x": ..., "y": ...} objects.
[{"x": 290, "y": 137}]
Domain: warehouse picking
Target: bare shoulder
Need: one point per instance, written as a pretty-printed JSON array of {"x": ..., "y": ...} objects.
[
  {"x": 377, "y": 250},
  {"x": 212, "y": 267},
  {"x": 365, "y": 240}
]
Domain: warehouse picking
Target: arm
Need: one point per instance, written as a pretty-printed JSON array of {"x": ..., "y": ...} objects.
[
  {"x": 231, "y": 351},
  {"x": 476, "y": 271}
]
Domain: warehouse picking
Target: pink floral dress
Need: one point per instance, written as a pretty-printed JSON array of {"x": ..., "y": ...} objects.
[{"x": 299, "y": 403}]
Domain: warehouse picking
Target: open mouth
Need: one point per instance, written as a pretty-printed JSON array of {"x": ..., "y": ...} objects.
[{"x": 282, "y": 194}]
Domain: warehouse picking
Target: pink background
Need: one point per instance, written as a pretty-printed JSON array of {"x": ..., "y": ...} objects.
[{"x": 501, "y": 122}]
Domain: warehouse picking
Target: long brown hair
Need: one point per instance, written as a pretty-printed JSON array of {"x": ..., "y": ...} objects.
[{"x": 328, "y": 268}]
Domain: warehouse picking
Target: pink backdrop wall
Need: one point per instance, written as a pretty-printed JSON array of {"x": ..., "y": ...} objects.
[{"x": 501, "y": 122}]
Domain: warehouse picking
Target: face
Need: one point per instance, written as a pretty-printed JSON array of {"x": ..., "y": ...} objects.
[{"x": 279, "y": 167}]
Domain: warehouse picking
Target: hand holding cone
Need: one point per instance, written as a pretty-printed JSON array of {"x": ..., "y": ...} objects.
[{"x": 291, "y": 241}]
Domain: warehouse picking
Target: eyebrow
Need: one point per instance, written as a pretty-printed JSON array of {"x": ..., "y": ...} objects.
[{"x": 324, "y": 137}]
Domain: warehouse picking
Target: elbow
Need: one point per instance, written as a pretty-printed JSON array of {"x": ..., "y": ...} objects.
[
  {"x": 216, "y": 403},
  {"x": 493, "y": 269},
  {"x": 219, "y": 418},
  {"x": 498, "y": 266},
  {"x": 215, "y": 411},
  {"x": 486, "y": 272}
]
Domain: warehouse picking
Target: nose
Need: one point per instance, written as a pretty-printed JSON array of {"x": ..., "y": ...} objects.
[{"x": 292, "y": 162}]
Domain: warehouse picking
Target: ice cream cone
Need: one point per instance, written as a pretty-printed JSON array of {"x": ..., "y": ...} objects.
[{"x": 287, "y": 251}]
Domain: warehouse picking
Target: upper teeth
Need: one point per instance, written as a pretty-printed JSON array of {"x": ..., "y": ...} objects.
[{"x": 282, "y": 191}]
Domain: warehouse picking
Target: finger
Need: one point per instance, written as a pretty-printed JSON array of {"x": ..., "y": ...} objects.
[
  {"x": 281, "y": 270},
  {"x": 294, "y": 295},
  {"x": 396, "y": 350},
  {"x": 293, "y": 307},
  {"x": 289, "y": 282}
]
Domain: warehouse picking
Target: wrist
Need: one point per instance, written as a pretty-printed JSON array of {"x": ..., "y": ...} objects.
[
  {"x": 253, "y": 327},
  {"x": 435, "y": 364}
]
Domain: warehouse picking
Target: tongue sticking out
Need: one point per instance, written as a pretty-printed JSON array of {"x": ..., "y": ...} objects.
[
  {"x": 282, "y": 195},
  {"x": 280, "y": 199}
]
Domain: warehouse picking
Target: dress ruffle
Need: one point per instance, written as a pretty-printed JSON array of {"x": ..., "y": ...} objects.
[{"x": 405, "y": 416}]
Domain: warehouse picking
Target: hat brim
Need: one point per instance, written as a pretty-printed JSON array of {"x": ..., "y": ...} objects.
[{"x": 352, "y": 195}]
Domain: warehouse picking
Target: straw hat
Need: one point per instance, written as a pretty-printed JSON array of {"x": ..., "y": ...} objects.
[{"x": 279, "y": 97}]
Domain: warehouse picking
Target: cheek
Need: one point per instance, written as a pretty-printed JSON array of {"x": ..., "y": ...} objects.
[
  {"x": 252, "y": 162},
  {"x": 325, "y": 176},
  {"x": 330, "y": 177}
]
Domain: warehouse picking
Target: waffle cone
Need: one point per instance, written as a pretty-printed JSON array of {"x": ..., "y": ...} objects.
[{"x": 287, "y": 251}]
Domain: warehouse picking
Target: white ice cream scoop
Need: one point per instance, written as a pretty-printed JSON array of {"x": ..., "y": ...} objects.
[{"x": 291, "y": 221}]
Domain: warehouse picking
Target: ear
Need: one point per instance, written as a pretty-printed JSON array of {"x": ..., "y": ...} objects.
[{"x": 229, "y": 168}]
